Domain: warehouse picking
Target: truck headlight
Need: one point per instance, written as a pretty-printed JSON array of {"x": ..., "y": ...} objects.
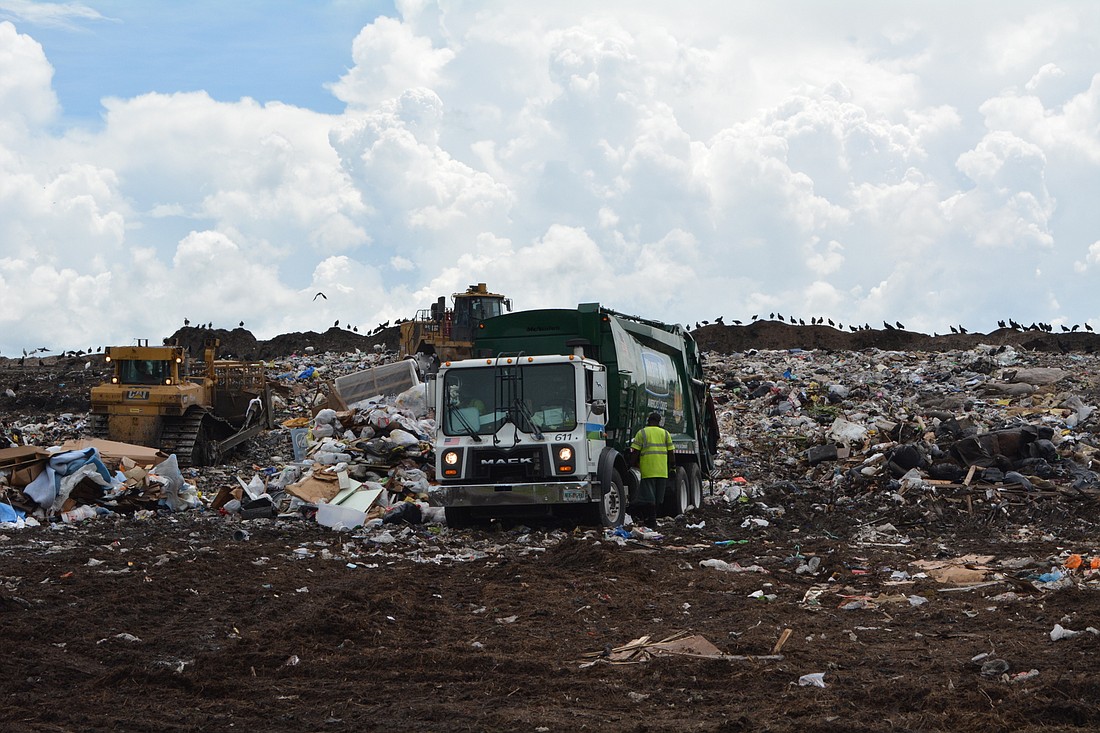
[
  {"x": 563, "y": 459},
  {"x": 450, "y": 460}
]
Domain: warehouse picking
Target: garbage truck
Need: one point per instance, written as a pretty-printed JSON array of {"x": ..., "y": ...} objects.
[
  {"x": 538, "y": 422},
  {"x": 152, "y": 399}
]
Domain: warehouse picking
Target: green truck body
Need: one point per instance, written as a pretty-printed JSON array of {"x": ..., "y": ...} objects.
[{"x": 539, "y": 421}]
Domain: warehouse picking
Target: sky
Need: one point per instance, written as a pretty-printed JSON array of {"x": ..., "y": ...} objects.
[{"x": 935, "y": 163}]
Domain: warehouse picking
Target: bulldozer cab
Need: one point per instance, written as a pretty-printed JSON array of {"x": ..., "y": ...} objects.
[
  {"x": 146, "y": 365},
  {"x": 448, "y": 333},
  {"x": 473, "y": 307}
]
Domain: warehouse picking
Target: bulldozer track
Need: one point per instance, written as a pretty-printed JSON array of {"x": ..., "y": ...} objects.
[
  {"x": 194, "y": 437},
  {"x": 180, "y": 435}
]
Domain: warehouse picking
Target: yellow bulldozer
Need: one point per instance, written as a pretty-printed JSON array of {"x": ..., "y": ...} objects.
[
  {"x": 153, "y": 399},
  {"x": 448, "y": 333}
]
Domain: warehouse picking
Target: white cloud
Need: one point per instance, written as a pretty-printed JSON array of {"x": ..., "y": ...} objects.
[
  {"x": 1091, "y": 258},
  {"x": 389, "y": 59},
  {"x": 26, "y": 99},
  {"x": 672, "y": 162},
  {"x": 63, "y": 15}
]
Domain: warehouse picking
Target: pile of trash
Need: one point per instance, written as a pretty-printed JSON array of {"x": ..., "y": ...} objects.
[
  {"x": 367, "y": 457},
  {"x": 987, "y": 432},
  {"x": 86, "y": 479},
  {"x": 986, "y": 429}
]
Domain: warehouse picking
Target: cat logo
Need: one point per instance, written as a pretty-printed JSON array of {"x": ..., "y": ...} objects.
[{"x": 137, "y": 394}]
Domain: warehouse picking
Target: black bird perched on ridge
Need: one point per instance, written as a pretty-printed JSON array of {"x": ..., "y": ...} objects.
[
  {"x": 1088, "y": 327},
  {"x": 900, "y": 325},
  {"x": 953, "y": 329},
  {"x": 888, "y": 326},
  {"x": 241, "y": 324}
]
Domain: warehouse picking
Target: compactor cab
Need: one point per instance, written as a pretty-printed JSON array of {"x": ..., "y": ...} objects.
[
  {"x": 441, "y": 333},
  {"x": 152, "y": 399}
]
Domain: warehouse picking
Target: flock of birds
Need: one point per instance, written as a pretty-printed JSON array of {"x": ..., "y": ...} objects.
[
  {"x": 719, "y": 321},
  {"x": 896, "y": 326}
]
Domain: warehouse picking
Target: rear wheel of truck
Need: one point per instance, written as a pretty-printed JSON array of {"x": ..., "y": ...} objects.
[
  {"x": 695, "y": 485},
  {"x": 678, "y": 494}
]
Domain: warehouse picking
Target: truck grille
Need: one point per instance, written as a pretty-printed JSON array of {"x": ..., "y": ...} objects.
[{"x": 496, "y": 465}]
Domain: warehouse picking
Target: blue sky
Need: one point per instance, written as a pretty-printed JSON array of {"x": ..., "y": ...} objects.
[
  {"x": 274, "y": 50},
  {"x": 936, "y": 163}
]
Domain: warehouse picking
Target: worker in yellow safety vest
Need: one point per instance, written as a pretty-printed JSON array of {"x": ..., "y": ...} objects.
[{"x": 651, "y": 453}]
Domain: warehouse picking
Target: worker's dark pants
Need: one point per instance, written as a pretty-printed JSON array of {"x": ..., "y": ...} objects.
[{"x": 651, "y": 494}]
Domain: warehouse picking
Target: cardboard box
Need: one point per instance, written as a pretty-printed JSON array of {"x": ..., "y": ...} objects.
[
  {"x": 23, "y": 463},
  {"x": 110, "y": 450},
  {"x": 335, "y": 516}
]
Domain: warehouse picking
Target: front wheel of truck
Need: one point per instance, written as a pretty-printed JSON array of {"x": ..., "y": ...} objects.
[
  {"x": 458, "y": 517},
  {"x": 610, "y": 511}
]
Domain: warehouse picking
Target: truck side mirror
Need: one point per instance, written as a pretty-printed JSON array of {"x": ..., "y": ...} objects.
[
  {"x": 599, "y": 407},
  {"x": 599, "y": 388}
]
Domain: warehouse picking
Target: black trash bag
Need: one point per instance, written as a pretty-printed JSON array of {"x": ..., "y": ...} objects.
[
  {"x": 1043, "y": 449},
  {"x": 1035, "y": 467},
  {"x": 404, "y": 513},
  {"x": 903, "y": 458},
  {"x": 946, "y": 472},
  {"x": 992, "y": 475}
]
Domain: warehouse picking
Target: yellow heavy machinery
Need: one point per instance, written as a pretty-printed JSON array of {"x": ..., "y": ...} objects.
[
  {"x": 448, "y": 333},
  {"x": 154, "y": 400}
]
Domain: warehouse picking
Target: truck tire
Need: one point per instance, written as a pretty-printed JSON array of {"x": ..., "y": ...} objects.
[
  {"x": 695, "y": 485},
  {"x": 678, "y": 494},
  {"x": 612, "y": 506}
]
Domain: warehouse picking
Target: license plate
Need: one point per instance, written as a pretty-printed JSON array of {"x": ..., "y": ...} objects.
[{"x": 574, "y": 495}]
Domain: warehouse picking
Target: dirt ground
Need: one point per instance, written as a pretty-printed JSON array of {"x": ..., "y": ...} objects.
[{"x": 172, "y": 623}]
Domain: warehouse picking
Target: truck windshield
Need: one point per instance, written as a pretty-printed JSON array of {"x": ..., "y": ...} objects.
[
  {"x": 485, "y": 398},
  {"x": 144, "y": 371}
]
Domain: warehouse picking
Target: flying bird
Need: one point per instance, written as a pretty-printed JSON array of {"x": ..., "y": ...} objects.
[{"x": 320, "y": 295}]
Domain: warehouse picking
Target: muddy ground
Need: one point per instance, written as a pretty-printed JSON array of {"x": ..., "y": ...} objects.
[{"x": 170, "y": 623}]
